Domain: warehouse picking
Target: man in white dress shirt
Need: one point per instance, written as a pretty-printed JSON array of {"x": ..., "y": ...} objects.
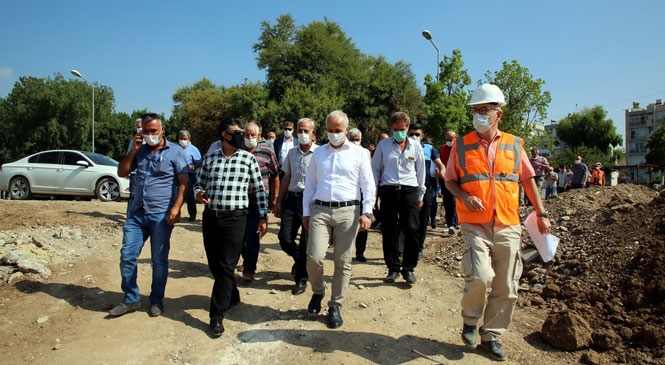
[{"x": 338, "y": 173}]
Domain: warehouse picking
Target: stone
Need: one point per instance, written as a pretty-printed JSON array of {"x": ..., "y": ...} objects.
[
  {"x": 606, "y": 339},
  {"x": 27, "y": 264},
  {"x": 567, "y": 331},
  {"x": 11, "y": 257},
  {"x": 551, "y": 290},
  {"x": 590, "y": 357},
  {"x": 42, "y": 319}
]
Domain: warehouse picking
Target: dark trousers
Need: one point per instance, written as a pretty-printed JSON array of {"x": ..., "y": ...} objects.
[
  {"x": 449, "y": 202},
  {"x": 400, "y": 206},
  {"x": 190, "y": 198},
  {"x": 291, "y": 215},
  {"x": 222, "y": 239},
  {"x": 361, "y": 239},
  {"x": 252, "y": 242},
  {"x": 425, "y": 212}
]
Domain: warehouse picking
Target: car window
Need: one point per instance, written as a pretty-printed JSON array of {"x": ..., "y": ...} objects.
[
  {"x": 46, "y": 157},
  {"x": 100, "y": 159},
  {"x": 70, "y": 158}
]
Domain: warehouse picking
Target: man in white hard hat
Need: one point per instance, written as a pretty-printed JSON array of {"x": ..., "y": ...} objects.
[{"x": 484, "y": 172}]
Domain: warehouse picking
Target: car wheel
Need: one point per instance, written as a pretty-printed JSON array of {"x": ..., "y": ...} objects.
[
  {"x": 108, "y": 190},
  {"x": 19, "y": 188}
]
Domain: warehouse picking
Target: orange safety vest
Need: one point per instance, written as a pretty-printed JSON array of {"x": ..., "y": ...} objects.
[
  {"x": 598, "y": 177},
  {"x": 499, "y": 189}
]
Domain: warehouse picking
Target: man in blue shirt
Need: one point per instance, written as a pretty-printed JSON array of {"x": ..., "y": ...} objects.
[
  {"x": 160, "y": 185},
  {"x": 193, "y": 162}
]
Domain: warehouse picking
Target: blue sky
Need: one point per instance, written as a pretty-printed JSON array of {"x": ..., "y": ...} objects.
[{"x": 607, "y": 53}]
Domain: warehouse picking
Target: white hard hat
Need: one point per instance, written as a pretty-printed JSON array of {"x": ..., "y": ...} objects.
[{"x": 486, "y": 94}]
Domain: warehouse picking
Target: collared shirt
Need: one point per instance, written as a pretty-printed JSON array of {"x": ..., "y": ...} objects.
[
  {"x": 395, "y": 167},
  {"x": 287, "y": 145},
  {"x": 335, "y": 174},
  {"x": 296, "y": 164},
  {"x": 156, "y": 177},
  {"x": 539, "y": 171},
  {"x": 214, "y": 147},
  {"x": 265, "y": 156},
  {"x": 431, "y": 154},
  {"x": 193, "y": 156},
  {"x": 490, "y": 151},
  {"x": 227, "y": 181}
]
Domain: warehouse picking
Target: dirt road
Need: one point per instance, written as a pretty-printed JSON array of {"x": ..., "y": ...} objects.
[{"x": 63, "y": 320}]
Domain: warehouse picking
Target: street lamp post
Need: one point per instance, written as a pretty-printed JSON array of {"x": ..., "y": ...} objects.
[
  {"x": 78, "y": 74},
  {"x": 428, "y": 36}
]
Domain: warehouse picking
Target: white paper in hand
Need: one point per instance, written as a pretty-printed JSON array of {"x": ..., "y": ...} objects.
[{"x": 545, "y": 243}]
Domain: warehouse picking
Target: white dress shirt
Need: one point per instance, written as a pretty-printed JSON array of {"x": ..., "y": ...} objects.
[
  {"x": 334, "y": 175},
  {"x": 394, "y": 167}
]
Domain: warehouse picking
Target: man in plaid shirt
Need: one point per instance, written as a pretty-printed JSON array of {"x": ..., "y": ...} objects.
[{"x": 223, "y": 184}]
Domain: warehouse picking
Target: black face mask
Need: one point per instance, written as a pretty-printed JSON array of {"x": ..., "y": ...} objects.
[{"x": 237, "y": 139}]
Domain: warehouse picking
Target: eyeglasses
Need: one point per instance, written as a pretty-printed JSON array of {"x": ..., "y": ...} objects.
[
  {"x": 288, "y": 129},
  {"x": 483, "y": 111},
  {"x": 414, "y": 134},
  {"x": 237, "y": 132}
]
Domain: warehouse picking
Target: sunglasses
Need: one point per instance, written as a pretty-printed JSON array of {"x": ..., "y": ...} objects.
[{"x": 414, "y": 134}]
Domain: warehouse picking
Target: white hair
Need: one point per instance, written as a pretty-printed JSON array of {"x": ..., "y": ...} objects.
[
  {"x": 304, "y": 120},
  {"x": 339, "y": 113}
]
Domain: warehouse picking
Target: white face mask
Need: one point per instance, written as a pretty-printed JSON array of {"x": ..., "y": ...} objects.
[
  {"x": 415, "y": 139},
  {"x": 139, "y": 130},
  {"x": 183, "y": 143},
  {"x": 304, "y": 138},
  {"x": 336, "y": 139},
  {"x": 288, "y": 133},
  {"x": 449, "y": 143},
  {"x": 481, "y": 123},
  {"x": 152, "y": 140},
  {"x": 577, "y": 162},
  {"x": 251, "y": 143},
  {"x": 357, "y": 143}
]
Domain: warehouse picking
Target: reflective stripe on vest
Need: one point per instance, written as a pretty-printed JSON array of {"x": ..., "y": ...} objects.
[{"x": 476, "y": 179}]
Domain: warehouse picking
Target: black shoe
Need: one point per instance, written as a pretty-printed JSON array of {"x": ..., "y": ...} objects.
[
  {"x": 216, "y": 326},
  {"x": 334, "y": 318},
  {"x": 314, "y": 306},
  {"x": 494, "y": 349},
  {"x": 300, "y": 287},
  {"x": 409, "y": 277},
  {"x": 434, "y": 224},
  {"x": 392, "y": 276},
  {"x": 124, "y": 308},
  {"x": 470, "y": 336},
  {"x": 156, "y": 309},
  {"x": 361, "y": 258}
]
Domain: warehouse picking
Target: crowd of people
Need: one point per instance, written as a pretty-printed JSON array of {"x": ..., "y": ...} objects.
[{"x": 328, "y": 196}]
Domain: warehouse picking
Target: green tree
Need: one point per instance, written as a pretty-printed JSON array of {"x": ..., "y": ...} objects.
[
  {"x": 590, "y": 128},
  {"x": 50, "y": 113},
  {"x": 656, "y": 146},
  {"x": 526, "y": 101},
  {"x": 444, "y": 106}
]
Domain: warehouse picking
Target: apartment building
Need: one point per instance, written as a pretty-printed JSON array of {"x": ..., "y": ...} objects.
[{"x": 641, "y": 122}]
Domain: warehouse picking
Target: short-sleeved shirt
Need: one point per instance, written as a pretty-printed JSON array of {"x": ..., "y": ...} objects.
[
  {"x": 265, "y": 156},
  {"x": 580, "y": 172},
  {"x": 193, "y": 156},
  {"x": 539, "y": 171},
  {"x": 431, "y": 154},
  {"x": 295, "y": 164},
  {"x": 490, "y": 151},
  {"x": 156, "y": 181}
]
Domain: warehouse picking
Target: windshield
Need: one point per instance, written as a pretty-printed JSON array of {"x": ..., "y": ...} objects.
[{"x": 100, "y": 159}]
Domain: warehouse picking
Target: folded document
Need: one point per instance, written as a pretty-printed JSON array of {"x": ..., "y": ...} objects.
[{"x": 545, "y": 243}]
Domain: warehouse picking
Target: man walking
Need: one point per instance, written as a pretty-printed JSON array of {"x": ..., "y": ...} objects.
[
  {"x": 223, "y": 184},
  {"x": 449, "y": 200},
  {"x": 289, "y": 202},
  {"x": 336, "y": 176},
  {"x": 484, "y": 172},
  {"x": 193, "y": 162},
  {"x": 398, "y": 167},
  {"x": 159, "y": 192}
]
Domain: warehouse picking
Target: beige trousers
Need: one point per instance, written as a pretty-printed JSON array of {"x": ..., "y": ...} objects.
[
  {"x": 492, "y": 266},
  {"x": 340, "y": 225}
]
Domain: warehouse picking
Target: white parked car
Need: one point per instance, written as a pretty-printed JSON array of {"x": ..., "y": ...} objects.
[{"x": 64, "y": 172}]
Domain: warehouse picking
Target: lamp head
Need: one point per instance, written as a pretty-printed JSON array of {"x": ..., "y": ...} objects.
[
  {"x": 77, "y": 74},
  {"x": 426, "y": 34}
]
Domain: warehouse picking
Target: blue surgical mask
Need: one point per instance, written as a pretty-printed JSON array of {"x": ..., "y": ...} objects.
[{"x": 399, "y": 135}]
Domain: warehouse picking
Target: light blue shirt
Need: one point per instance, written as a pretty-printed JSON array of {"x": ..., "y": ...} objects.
[
  {"x": 192, "y": 155},
  {"x": 157, "y": 177},
  {"x": 391, "y": 166}
]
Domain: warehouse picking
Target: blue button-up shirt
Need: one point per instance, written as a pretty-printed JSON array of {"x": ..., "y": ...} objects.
[
  {"x": 157, "y": 177},
  {"x": 192, "y": 155}
]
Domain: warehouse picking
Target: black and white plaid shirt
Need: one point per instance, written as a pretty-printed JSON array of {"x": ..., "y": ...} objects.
[{"x": 226, "y": 181}]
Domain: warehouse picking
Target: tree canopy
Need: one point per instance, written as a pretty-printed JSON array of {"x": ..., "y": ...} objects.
[
  {"x": 589, "y": 128},
  {"x": 656, "y": 146}
]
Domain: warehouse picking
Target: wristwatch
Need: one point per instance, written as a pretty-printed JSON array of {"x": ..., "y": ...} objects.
[
  {"x": 544, "y": 214},
  {"x": 369, "y": 215}
]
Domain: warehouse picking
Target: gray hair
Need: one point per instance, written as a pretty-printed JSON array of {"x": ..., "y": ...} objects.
[
  {"x": 339, "y": 113},
  {"x": 304, "y": 120},
  {"x": 353, "y": 132},
  {"x": 184, "y": 132},
  {"x": 253, "y": 125}
]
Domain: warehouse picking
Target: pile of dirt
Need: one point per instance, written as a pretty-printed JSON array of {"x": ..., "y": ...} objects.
[{"x": 609, "y": 269}]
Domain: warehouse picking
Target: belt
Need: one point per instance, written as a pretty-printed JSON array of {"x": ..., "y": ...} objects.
[
  {"x": 296, "y": 194},
  {"x": 396, "y": 187},
  {"x": 226, "y": 213},
  {"x": 337, "y": 204}
]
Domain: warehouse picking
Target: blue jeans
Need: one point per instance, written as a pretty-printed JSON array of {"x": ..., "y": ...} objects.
[
  {"x": 138, "y": 227},
  {"x": 252, "y": 242}
]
